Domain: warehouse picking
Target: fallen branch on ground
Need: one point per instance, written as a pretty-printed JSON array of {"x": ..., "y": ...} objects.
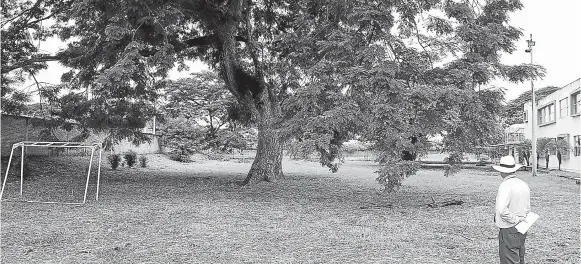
[
  {"x": 435, "y": 204},
  {"x": 376, "y": 206}
]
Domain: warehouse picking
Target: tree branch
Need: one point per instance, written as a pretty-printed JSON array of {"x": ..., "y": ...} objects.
[
  {"x": 224, "y": 120},
  {"x": 422, "y": 45},
  {"x": 36, "y": 5},
  {"x": 38, "y": 87},
  {"x": 40, "y": 19},
  {"x": 21, "y": 64},
  {"x": 252, "y": 50},
  {"x": 210, "y": 40}
]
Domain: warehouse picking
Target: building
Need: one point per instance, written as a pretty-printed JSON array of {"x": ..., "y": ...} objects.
[
  {"x": 559, "y": 117},
  {"x": 513, "y": 137}
]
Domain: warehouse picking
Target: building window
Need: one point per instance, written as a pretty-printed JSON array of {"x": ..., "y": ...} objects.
[
  {"x": 563, "y": 145},
  {"x": 577, "y": 145},
  {"x": 514, "y": 137},
  {"x": 563, "y": 107},
  {"x": 525, "y": 116},
  {"x": 547, "y": 114},
  {"x": 575, "y": 103}
]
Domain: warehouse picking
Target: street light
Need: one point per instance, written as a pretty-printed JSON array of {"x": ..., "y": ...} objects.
[{"x": 530, "y": 44}]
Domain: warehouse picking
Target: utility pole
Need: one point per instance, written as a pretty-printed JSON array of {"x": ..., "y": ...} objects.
[{"x": 531, "y": 43}]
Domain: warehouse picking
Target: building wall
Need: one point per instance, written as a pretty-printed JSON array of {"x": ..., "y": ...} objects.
[
  {"x": 567, "y": 126},
  {"x": 19, "y": 128}
]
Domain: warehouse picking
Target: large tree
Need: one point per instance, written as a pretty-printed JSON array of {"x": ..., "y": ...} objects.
[
  {"x": 200, "y": 114},
  {"x": 393, "y": 72}
]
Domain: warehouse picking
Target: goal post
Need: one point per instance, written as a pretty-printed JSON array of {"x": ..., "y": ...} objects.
[{"x": 24, "y": 144}]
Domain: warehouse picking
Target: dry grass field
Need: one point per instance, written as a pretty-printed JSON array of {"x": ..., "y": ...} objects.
[{"x": 198, "y": 213}]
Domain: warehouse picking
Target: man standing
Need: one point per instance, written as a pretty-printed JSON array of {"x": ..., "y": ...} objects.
[{"x": 512, "y": 206}]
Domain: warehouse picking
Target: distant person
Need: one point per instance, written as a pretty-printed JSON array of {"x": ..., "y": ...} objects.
[{"x": 512, "y": 206}]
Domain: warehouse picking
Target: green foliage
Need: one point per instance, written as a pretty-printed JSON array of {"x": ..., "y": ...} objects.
[
  {"x": 13, "y": 101},
  {"x": 130, "y": 158},
  {"x": 183, "y": 136},
  {"x": 299, "y": 149},
  {"x": 114, "y": 161},
  {"x": 545, "y": 146},
  {"x": 561, "y": 146},
  {"x": 143, "y": 161},
  {"x": 199, "y": 118},
  {"x": 392, "y": 175},
  {"x": 454, "y": 163},
  {"x": 524, "y": 150},
  {"x": 23, "y": 27},
  {"x": 317, "y": 72},
  {"x": 202, "y": 96},
  {"x": 179, "y": 155}
]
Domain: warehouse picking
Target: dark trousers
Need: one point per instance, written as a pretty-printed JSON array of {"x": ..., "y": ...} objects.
[{"x": 511, "y": 246}]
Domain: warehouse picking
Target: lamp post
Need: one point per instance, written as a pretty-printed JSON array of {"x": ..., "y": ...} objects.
[{"x": 531, "y": 43}]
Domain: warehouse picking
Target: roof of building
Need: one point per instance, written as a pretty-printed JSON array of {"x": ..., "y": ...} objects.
[
  {"x": 515, "y": 128},
  {"x": 574, "y": 84}
]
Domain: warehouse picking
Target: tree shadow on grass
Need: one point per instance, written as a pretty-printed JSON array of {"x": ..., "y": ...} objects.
[{"x": 205, "y": 183}]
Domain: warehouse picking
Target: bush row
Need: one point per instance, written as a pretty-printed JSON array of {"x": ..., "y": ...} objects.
[{"x": 130, "y": 158}]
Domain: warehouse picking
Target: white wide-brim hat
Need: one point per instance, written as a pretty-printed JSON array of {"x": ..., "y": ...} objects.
[{"x": 507, "y": 165}]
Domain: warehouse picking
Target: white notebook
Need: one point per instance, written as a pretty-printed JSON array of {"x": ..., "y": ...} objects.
[{"x": 524, "y": 226}]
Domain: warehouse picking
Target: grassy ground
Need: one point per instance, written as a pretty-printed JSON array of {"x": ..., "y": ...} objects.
[{"x": 197, "y": 213}]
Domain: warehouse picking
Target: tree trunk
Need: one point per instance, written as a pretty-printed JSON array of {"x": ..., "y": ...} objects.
[
  {"x": 267, "y": 165},
  {"x": 252, "y": 92}
]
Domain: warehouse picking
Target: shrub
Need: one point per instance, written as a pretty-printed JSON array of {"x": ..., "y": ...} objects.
[
  {"x": 130, "y": 158},
  {"x": 114, "y": 160},
  {"x": 180, "y": 155},
  {"x": 143, "y": 161}
]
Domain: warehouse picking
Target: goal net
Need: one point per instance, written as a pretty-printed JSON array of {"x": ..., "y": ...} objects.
[{"x": 64, "y": 178}]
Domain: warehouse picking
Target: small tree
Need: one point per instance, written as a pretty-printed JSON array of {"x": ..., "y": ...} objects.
[
  {"x": 562, "y": 147},
  {"x": 524, "y": 150},
  {"x": 200, "y": 110},
  {"x": 545, "y": 146},
  {"x": 183, "y": 136}
]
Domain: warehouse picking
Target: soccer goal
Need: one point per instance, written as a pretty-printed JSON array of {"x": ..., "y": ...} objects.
[{"x": 24, "y": 144}]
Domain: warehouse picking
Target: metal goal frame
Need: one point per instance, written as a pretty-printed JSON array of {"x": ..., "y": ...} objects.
[{"x": 24, "y": 144}]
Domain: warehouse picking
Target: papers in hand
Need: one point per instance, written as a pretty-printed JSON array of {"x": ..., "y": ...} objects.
[{"x": 524, "y": 226}]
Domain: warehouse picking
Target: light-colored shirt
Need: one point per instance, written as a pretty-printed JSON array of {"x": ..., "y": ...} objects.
[{"x": 512, "y": 201}]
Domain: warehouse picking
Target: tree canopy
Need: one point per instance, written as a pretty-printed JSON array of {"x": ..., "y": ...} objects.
[
  {"x": 23, "y": 27},
  {"x": 316, "y": 72},
  {"x": 200, "y": 114}
]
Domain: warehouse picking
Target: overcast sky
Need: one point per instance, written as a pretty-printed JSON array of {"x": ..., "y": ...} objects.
[{"x": 556, "y": 29}]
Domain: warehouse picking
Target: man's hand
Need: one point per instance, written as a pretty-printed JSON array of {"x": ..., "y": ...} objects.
[{"x": 521, "y": 219}]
